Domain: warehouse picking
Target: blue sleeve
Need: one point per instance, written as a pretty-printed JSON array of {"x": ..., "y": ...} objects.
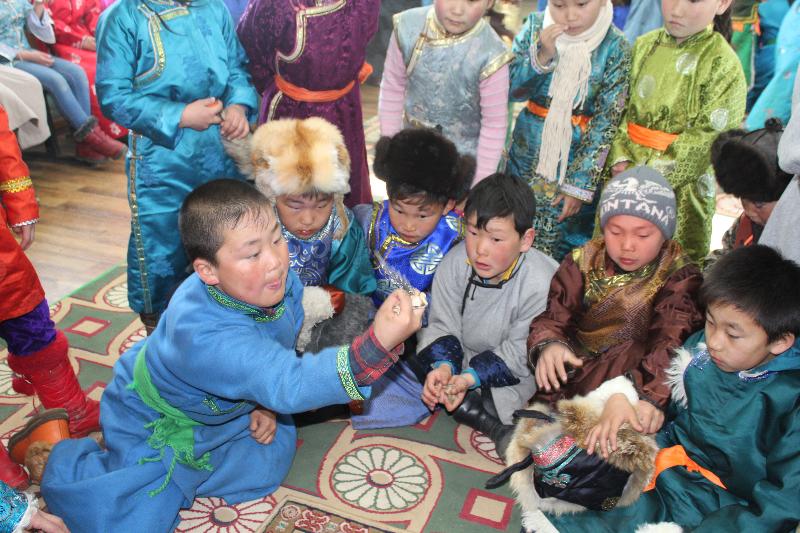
[
  {"x": 13, "y": 505},
  {"x": 444, "y": 349},
  {"x": 492, "y": 370},
  {"x": 155, "y": 117},
  {"x": 521, "y": 71},
  {"x": 239, "y": 89},
  {"x": 350, "y": 268}
]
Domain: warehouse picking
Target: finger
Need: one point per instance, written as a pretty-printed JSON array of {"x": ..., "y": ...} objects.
[
  {"x": 538, "y": 376},
  {"x": 562, "y": 371},
  {"x": 573, "y": 359},
  {"x": 558, "y": 199},
  {"x": 613, "y": 439},
  {"x": 552, "y": 380},
  {"x": 635, "y": 424}
]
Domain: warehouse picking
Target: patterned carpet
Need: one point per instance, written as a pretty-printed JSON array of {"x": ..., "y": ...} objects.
[{"x": 425, "y": 478}]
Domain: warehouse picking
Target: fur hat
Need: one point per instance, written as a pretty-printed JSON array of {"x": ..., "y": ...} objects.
[
  {"x": 425, "y": 160},
  {"x": 553, "y": 473},
  {"x": 746, "y": 163},
  {"x": 640, "y": 192},
  {"x": 294, "y": 156}
]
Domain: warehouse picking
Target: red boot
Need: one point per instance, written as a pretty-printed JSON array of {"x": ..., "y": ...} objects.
[
  {"x": 51, "y": 374},
  {"x": 93, "y": 138},
  {"x": 10, "y": 472},
  {"x": 84, "y": 152}
]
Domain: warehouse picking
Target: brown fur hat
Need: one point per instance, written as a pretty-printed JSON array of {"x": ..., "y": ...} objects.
[
  {"x": 635, "y": 452},
  {"x": 746, "y": 163},
  {"x": 294, "y": 156},
  {"x": 425, "y": 160}
]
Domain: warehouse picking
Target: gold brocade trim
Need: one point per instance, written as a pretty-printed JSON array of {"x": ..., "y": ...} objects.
[
  {"x": 300, "y": 33},
  {"x": 136, "y": 228},
  {"x": 496, "y": 64},
  {"x": 433, "y": 34},
  {"x": 16, "y": 185},
  {"x": 750, "y": 18},
  {"x": 598, "y": 285},
  {"x": 273, "y": 105},
  {"x": 154, "y": 28}
]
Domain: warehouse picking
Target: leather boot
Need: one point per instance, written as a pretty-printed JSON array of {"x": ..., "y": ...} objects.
[
  {"x": 474, "y": 413},
  {"x": 11, "y": 473},
  {"x": 51, "y": 425},
  {"x": 52, "y": 377},
  {"x": 150, "y": 321},
  {"x": 94, "y": 138},
  {"x": 86, "y": 153}
]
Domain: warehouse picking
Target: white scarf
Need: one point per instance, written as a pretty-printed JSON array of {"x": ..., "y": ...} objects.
[{"x": 568, "y": 90}]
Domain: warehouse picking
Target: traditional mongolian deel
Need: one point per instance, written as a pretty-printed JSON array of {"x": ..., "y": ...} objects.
[
  {"x": 153, "y": 59},
  {"x": 444, "y": 74},
  {"x": 682, "y": 95}
]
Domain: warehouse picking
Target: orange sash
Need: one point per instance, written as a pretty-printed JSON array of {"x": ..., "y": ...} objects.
[
  {"x": 300, "y": 94},
  {"x": 655, "y": 139},
  {"x": 577, "y": 120},
  {"x": 676, "y": 456}
]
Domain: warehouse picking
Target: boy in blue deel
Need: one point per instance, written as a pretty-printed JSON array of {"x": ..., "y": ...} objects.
[{"x": 201, "y": 407}]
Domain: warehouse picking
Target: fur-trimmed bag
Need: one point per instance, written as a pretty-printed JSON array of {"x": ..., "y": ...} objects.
[{"x": 550, "y": 470}]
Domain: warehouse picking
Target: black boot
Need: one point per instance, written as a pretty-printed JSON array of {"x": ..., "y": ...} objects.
[
  {"x": 475, "y": 412},
  {"x": 150, "y": 321}
]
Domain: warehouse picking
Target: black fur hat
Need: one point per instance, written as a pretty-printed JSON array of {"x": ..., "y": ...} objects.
[
  {"x": 424, "y": 159},
  {"x": 746, "y": 163}
]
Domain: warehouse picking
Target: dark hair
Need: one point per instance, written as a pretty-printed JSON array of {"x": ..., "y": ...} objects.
[
  {"x": 758, "y": 281},
  {"x": 403, "y": 191},
  {"x": 214, "y": 207},
  {"x": 498, "y": 196},
  {"x": 723, "y": 23}
]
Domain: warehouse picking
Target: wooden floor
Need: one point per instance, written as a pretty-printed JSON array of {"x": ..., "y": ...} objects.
[{"x": 84, "y": 216}]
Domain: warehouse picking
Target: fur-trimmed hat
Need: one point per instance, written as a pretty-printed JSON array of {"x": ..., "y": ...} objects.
[
  {"x": 425, "y": 160},
  {"x": 552, "y": 472},
  {"x": 746, "y": 163},
  {"x": 294, "y": 156}
]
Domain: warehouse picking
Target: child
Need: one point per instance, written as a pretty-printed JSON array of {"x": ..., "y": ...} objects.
[
  {"x": 485, "y": 294},
  {"x": 621, "y": 302},
  {"x": 307, "y": 59},
  {"x": 571, "y": 66},
  {"x": 687, "y": 86},
  {"x": 746, "y": 166},
  {"x": 729, "y": 459},
  {"x": 413, "y": 230},
  {"x": 201, "y": 407},
  {"x": 37, "y": 351},
  {"x": 447, "y": 68},
  {"x": 173, "y": 73}
]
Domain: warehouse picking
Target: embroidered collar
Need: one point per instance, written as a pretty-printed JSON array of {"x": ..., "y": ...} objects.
[
  {"x": 509, "y": 273},
  {"x": 329, "y": 227},
  {"x": 259, "y": 314}
]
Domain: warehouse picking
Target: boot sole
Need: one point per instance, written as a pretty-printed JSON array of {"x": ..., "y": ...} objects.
[{"x": 32, "y": 425}]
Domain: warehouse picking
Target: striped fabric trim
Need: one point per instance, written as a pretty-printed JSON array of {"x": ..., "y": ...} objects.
[
  {"x": 346, "y": 375},
  {"x": 16, "y": 185}
]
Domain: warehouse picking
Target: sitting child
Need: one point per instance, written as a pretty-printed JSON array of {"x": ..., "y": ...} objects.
[
  {"x": 746, "y": 166},
  {"x": 411, "y": 232},
  {"x": 729, "y": 459},
  {"x": 485, "y": 294},
  {"x": 183, "y": 416},
  {"x": 303, "y": 167},
  {"x": 620, "y": 303}
]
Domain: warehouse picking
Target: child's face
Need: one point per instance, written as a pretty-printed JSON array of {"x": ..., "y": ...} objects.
[
  {"x": 493, "y": 249},
  {"x": 736, "y": 342},
  {"x": 576, "y": 16},
  {"x": 632, "y": 242},
  {"x": 252, "y": 262},
  {"x": 684, "y": 18},
  {"x": 758, "y": 212},
  {"x": 414, "y": 221},
  {"x": 459, "y": 16},
  {"x": 303, "y": 216}
]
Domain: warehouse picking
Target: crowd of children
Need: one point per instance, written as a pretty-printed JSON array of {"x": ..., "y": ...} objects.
[{"x": 574, "y": 273}]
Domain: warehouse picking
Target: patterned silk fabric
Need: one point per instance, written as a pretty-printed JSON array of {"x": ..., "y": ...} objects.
[
  {"x": 619, "y": 306},
  {"x": 695, "y": 90},
  {"x": 309, "y": 258}
]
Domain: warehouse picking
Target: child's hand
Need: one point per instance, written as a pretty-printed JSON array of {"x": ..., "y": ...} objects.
[
  {"x": 616, "y": 412},
  {"x": 201, "y": 114},
  {"x": 262, "y": 425},
  {"x": 455, "y": 390},
  {"x": 619, "y": 167},
  {"x": 234, "y": 123},
  {"x": 550, "y": 368},
  {"x": 547, "y": 43},
  {"x": 47, "y": 523},
  {"x": 650, "y": 416},
  {"x": 571, "y": 206},
  {"x": 35, "y": 56},
  {"x": 396, "y": 319},
  {"x": 26, "y": 234},
  {"x": 434, "y": 382}
]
